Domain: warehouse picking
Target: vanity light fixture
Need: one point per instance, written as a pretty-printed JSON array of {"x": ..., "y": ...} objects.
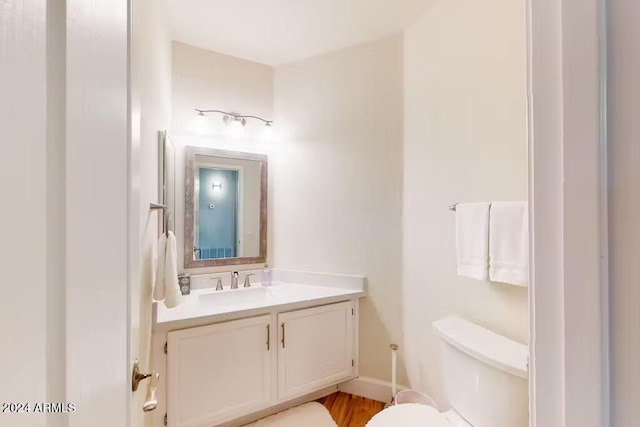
[
  {"x": 234, "y": 118},
  {"x": 217, "y": 185}
]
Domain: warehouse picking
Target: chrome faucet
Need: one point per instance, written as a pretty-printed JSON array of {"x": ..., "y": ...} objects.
[
  {"x": 247, "y": 280},
  {"x": 234, "y": 280}
]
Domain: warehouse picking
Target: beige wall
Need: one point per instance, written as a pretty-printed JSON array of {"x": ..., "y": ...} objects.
[
  {"x": 624, "y": 185},
  {"x": 465, "y": 140},
  {"x": 336, "y": 178},
  {"x": 209, "y": 80}
]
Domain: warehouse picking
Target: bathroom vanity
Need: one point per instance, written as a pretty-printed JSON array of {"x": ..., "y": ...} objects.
[
  {"x": 228, "y": 355},
  {"x": 236, "y": 352}
]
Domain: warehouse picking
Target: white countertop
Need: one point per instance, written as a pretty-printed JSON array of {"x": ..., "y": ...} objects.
[{"x": 205, "y": 306}]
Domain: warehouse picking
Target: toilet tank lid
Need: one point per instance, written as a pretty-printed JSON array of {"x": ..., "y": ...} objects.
[{"x": 484, "y": 345}]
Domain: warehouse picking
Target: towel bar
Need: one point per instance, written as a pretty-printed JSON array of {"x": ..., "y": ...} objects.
[
  {"x": 166, "y": 215},
  {"x": 156, "y": 206}
]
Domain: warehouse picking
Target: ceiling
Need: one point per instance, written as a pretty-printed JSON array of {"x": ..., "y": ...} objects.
[{"x": 274, "y": 32}]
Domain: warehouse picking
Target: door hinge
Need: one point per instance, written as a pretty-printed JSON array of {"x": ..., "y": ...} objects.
[
  {"x": 165, "y": 349},
  {"x": 165, "y": 418}
]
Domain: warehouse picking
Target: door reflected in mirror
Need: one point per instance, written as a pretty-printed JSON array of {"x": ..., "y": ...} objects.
[{"x": 225, "y": 211}]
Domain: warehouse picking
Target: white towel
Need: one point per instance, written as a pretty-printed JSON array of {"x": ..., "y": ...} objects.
[
  {"x": 509, "y": 243},
  {"x": 173, "y": 295},
  {"x": 472, "y": 239},
  {"x": 159, "y": 285}
]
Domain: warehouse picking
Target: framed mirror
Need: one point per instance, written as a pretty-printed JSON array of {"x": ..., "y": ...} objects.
[{"x": 225, "y": 208}]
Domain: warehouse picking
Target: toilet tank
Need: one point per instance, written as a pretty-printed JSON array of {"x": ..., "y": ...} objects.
[{"x": 484, "y": 374}]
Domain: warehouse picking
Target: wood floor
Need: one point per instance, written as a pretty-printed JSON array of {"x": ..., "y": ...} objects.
[{"x": 351, "y": 411}]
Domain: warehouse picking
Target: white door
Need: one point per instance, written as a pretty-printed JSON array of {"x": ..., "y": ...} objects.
[
  {"x": 31, "y": 316},
  {"x": 100, "y": 195},
  {"x": 219, "y": 372},
  {"x": 315, "y": 348}
]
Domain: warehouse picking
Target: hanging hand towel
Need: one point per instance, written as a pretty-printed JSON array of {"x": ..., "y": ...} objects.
[
  {"x": 509, "y": 243},
  {"x": 158, "y": 287},
  {"x": 472, "y": 239},
  {"x": 173, "y": 296}
]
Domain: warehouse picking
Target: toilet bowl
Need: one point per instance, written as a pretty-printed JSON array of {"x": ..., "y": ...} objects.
[{"x": 485, "y": 379}]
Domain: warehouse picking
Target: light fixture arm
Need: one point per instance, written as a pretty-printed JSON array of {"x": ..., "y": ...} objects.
[{"x": 235, "y": 116}]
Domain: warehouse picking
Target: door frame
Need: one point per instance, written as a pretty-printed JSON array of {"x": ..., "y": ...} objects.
[
  {"x": 569, "y": 319},
  {"x": 102, "y": 205}
]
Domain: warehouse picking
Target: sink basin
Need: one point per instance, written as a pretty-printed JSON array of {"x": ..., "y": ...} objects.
[{"x": 241, "y": 296}]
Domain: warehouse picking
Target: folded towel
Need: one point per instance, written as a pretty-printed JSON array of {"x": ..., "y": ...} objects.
[
  {"x": 173, "y": 295},
  {"x": 158, "y": 287},
  {"x": 509, "y": 243},
  {"x": 472, "y": 239}
]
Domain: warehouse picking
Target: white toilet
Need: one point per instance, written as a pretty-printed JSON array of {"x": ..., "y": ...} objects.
[{"x": 485, "y": 381}]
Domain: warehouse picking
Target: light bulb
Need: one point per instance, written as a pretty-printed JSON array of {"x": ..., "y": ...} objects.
[
  {"x": 267, "y": 132},
  {"x": 199, "y": 123},
  {"x": 235, "y": 127}
]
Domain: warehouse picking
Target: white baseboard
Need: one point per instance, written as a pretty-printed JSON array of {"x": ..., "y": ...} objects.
[{"x": 370, "y": 388}]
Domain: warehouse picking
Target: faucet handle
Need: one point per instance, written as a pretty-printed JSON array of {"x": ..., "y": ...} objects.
[
  {"x": 218, "y": 283},
  {"x": 247, "y": 280}
]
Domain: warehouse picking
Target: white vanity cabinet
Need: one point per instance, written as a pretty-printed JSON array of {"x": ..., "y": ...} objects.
[
  {"x": 315, "y": 348},
  {"x": 219, "y": 372},
  {"x": 223, "y": 371}
]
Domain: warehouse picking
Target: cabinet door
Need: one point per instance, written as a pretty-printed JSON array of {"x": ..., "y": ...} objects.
[
  {"x": 220, "y": 372},
  {"x": 315, "y": 348}
]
